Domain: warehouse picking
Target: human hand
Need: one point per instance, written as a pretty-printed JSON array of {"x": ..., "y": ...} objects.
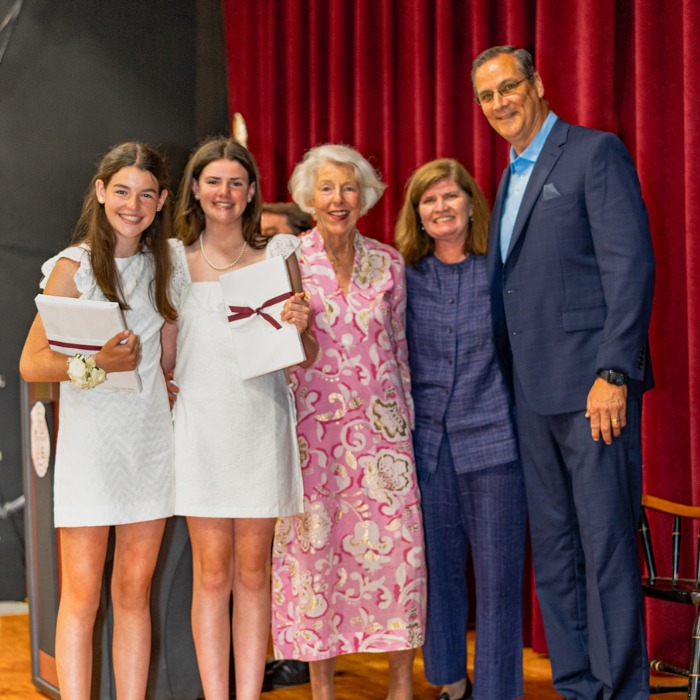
[
  {"x": 296, "y": 310},
  {"x": 172, "y": 387},
  {"x": 606, "y": 409},
  {"x": 120, "y": 353}
]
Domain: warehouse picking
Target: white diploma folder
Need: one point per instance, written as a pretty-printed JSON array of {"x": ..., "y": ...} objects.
[
  {"x": 254, "y": 297},
  {"x": 84, "y": 326}
]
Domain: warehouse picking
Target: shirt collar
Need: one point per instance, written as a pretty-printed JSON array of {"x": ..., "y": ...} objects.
[{"x": 519, "y": 163}]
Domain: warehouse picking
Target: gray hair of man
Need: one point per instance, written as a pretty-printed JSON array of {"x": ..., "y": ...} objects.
[
  {"x": 303, "y": 180},
  {"x": 522, "y": 56}
]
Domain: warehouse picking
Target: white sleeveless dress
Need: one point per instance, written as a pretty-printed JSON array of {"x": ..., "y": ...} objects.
[
  {"x": 236, "y": 450},
  {"x": 114, "y": 461}
]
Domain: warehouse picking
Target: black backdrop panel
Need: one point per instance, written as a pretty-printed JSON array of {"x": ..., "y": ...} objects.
[{"x": 76, "y": 78}]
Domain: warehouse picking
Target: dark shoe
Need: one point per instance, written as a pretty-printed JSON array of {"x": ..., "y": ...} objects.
[
  {"x": 285, "y": 673},
  {"x": 467, "y": 693}
]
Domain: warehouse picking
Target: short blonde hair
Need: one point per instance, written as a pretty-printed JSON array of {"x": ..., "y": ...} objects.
[
  {"x": 411, "y": 239},
  {"x": 303, "y": 180}
]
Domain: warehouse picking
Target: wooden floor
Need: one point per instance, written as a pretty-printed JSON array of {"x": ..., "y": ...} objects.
[{"x": 359, "y": 675}]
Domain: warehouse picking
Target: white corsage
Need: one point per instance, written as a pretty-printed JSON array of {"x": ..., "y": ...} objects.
[{"x": 84, "y": 373}]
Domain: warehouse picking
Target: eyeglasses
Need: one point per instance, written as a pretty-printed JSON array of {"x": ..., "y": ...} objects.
[{"x": 486, "y": 97}]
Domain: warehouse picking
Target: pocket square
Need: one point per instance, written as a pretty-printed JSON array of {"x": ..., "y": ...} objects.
[{"x": 549, "y": 191}]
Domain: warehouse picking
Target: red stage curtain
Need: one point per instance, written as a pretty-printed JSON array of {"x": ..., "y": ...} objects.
[{"x": 391, "y": 77}]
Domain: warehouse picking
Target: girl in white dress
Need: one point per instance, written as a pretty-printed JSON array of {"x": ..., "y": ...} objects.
[
  {"x": 236, "y": 455},
  {"x": 114, "y": 451}
]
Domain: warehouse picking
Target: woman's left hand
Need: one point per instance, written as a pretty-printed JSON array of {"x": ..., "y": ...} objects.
[
  {"x": 296, "y": 310},
  {"x": 172, "y": 387}
]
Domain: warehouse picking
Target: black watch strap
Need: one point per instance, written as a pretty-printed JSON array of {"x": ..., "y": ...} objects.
[{"x": 612, "y": 376}]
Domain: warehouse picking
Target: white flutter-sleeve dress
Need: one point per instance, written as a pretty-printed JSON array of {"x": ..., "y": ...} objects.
[
  {"x": 114, "y": 453},
  {"x": 236, "y": 450}
]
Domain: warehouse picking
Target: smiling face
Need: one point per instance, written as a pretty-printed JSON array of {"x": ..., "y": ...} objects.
[
  {"x": 516, "y": 117},
  {"x": 444, "y": 209},
  {"x": 131, "y": 199},
  {"x": 336, "y": 199},
  {"x": 223, "y": 190}
]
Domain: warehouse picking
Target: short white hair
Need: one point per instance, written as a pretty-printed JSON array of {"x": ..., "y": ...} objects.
[{"x": 303, "y": 180}]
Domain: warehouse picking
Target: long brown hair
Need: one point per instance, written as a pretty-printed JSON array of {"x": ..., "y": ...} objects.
[
  {"x": 411, "y": 239},
  {"x": 189, "y": 217},
  {"x": 94, "y": 229}
]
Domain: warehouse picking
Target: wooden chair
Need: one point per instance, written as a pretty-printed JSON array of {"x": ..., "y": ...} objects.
[{"x": 673, "y": 588}]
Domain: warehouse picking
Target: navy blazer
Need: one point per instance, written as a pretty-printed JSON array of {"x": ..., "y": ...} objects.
[
  {"x": 456, "y": 383},
  {"x": 575, "y": 293}
]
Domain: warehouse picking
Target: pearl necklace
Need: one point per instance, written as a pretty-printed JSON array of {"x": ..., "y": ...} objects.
[{"x": 220, "y": 267}]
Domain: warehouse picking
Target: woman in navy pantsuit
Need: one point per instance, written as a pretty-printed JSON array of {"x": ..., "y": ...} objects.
[{"x": 466, "y": 450}]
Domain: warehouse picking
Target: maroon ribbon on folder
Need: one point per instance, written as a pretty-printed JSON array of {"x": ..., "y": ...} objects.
[
  {"x": 75, "y": 346},
  {"x": 241, "y": 312}
]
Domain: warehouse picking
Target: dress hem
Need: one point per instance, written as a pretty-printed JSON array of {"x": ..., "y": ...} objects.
[
  {"x": 108, "y": 522},
  {"x": 330, "y": 655}
]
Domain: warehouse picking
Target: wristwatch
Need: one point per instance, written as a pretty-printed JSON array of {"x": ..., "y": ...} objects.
[{"x": 612, "y": 376}]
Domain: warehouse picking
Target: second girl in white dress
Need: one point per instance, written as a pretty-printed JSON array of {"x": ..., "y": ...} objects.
[{"x": 236, "y": 456}]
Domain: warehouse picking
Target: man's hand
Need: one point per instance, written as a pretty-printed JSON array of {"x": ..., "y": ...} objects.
[{"x": 606, "y": 409}]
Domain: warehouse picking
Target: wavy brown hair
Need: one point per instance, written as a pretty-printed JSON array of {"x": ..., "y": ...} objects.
[
  {"x": 189, "y": 217},
  {"x": 411, "y": 239},
  {"x": 94, "y": 229}
]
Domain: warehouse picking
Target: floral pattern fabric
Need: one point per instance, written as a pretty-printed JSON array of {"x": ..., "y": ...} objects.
[{"x": 349, "y": 572}]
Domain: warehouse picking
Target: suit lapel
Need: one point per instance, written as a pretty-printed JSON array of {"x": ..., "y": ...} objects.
[
  {"x": 548, "y": 157},
  {"x": 493, "y": 258}
]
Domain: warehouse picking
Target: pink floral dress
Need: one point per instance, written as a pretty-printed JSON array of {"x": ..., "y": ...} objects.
[{"x": 349, "y": 572}]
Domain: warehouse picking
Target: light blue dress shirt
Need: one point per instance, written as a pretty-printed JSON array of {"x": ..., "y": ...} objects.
[{"x": 521, "y": 167}]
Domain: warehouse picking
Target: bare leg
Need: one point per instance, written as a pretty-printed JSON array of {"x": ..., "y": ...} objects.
[
  {"x": 135, "y": 557},
  {"x": 401, "y": 674},
  {"x": 212, "y": 555},
  {"x": 251, "y": 602},
  {"x": 322, "y": 673},
  {"x": 83, "y": 551}
]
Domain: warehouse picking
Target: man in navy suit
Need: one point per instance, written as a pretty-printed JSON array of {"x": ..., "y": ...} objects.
[{"x": 571, "y": 270}]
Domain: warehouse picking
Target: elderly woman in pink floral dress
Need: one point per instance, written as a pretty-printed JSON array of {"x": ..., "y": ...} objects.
[{"x": 349, "y": 572}]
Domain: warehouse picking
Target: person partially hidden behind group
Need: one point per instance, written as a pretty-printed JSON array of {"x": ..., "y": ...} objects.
[{"x": 284, "y": 217}]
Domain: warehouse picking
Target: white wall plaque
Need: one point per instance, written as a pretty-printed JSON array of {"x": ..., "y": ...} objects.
[{"x": 39, "y": 439}]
